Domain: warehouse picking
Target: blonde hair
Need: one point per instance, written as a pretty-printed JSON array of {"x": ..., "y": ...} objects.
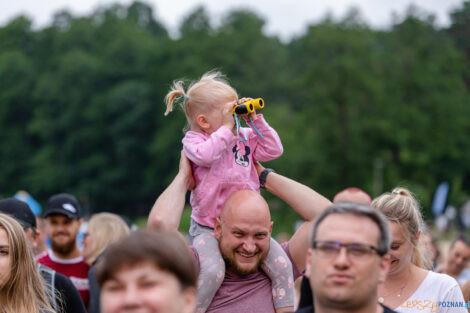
[
  {"x": 202, "y": 95},
  {"x": 401, "y": 207},
  {"x": 24, "y": 290},
  {"x": 105, "y": 228}
]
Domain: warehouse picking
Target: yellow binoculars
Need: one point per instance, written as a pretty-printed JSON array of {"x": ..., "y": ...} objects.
[{"x": 249, "y": 106}]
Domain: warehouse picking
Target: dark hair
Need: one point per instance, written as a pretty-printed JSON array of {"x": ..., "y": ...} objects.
[
  {"x": 166, "y": 250},
  {"x": 461, "y": 238},
  {"x": 359, "y": 210}
]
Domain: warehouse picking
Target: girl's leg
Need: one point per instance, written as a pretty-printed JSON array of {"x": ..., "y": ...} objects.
[
  {"x": 212, "y": 270},
  {"x": 279, "y": 269}
]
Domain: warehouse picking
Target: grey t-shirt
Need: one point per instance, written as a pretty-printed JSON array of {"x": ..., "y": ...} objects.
[{"x": 245, "y": 293}]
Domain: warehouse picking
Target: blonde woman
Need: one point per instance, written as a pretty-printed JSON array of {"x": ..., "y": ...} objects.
[
  {"x": 103, "y": 229},
  {"x": 410, "y": 287},
  {"x": 21, "y": 286}
]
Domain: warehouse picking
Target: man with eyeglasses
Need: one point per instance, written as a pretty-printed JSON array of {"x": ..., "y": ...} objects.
[{"x": 347, "y": 259}]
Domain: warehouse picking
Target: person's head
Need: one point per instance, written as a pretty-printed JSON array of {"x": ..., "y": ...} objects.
[
  {"x": 459, "y": 254},
  {"x": 348, "y": 256},
  {"x": 23, "y": 214},
  {"x": 204, "y": 101},
  {"x": 152, "y": 272},
  {"x": 430, "y": 246},
  {"x": 352, "y": 194},
  {"x": 63, "y": 222},
  {"x": 403, "y": 212},
  {"x": 103, "y": 229},
  {"x": 40, "y": 245},
  {"x": 244, "y": 231},
  {"x": 21, "y": 287}
]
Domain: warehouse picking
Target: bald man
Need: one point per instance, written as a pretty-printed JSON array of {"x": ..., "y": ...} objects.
[
  {"x": 243, "y": 231},
  {"x": 352, "y": 194}
]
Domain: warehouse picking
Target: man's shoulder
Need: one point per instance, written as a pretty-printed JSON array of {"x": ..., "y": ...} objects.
[
  {"x": 464, "y": 274},
  {"x": 388, "y": 310},
  {"x": 42, "y": 256},
  {"x": 45, "y": 260},
  {"x": 63, "y": 281},
  {"x": 307, "y": 309}
]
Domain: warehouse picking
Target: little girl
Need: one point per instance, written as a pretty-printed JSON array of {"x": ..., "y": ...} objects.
[{"x": 222, "y": 164}]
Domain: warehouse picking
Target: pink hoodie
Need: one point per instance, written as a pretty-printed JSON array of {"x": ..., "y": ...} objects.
[{"x": 223, "y": 164}]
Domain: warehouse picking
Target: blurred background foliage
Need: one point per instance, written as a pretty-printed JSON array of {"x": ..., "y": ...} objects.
[{"x": 81, "y": 102}]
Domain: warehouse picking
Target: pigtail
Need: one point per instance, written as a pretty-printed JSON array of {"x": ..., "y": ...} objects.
[{"x": 176, "y": 90}]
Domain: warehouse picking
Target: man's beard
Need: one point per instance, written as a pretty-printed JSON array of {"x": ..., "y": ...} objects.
[
  {"x": 232, "y": 264},
  {"x": 64, "y": 249}
]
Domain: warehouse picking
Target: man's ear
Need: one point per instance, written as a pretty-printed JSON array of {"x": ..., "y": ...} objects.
[
  {"x": 308, "y": 263},
  {"x": 202, "y": 121},
  {"x": 217, "y": 228},
  {"x": 36, "y": 238},
  {"x": 384, "y": 266}
]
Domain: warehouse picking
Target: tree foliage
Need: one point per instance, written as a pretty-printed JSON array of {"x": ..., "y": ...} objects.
[{"x": 81, "y": 101}]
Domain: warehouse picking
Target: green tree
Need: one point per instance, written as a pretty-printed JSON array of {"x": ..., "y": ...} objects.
[
  {"x": 16, "y": 80},
  {"x": 459, "y": 30},
  {"x": 336, "y": 83}
]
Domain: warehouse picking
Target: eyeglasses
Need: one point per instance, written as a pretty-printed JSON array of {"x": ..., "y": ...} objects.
[{"x": 331, "y": 249}]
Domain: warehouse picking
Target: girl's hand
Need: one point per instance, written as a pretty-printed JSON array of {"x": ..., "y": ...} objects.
[
  {"x": 245, "y": 116},
  {"x": 227, "y": 116}
]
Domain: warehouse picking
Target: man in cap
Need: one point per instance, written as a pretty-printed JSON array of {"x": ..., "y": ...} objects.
[
  {"x": 70, "y": 301},
  {"x": 63, "y": 221}
]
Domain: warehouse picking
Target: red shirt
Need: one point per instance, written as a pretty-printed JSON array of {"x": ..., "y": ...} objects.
[{"x": 75, "y": 269}]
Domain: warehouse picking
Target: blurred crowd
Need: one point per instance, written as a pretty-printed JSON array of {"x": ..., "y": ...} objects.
[{"x": 55, "y": 262}]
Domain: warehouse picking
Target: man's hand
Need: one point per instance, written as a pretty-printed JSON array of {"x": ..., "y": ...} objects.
[
  {"x": 186, "y": 172},
  {"x": 167, "y": 210},
  {"x": 259, "y": 168}
]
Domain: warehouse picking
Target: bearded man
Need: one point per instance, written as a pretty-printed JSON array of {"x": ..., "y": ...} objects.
[
  {"x": 63, "y": 222},
  {"x": 243, "y": 231}
]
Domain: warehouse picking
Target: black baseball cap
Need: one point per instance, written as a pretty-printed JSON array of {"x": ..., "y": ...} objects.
[
  {"x": 63, "y": 203},
  {"x": 19, "y": 210}
]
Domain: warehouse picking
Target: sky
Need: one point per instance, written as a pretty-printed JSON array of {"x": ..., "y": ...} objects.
[{"x": 284, "y": 18}]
